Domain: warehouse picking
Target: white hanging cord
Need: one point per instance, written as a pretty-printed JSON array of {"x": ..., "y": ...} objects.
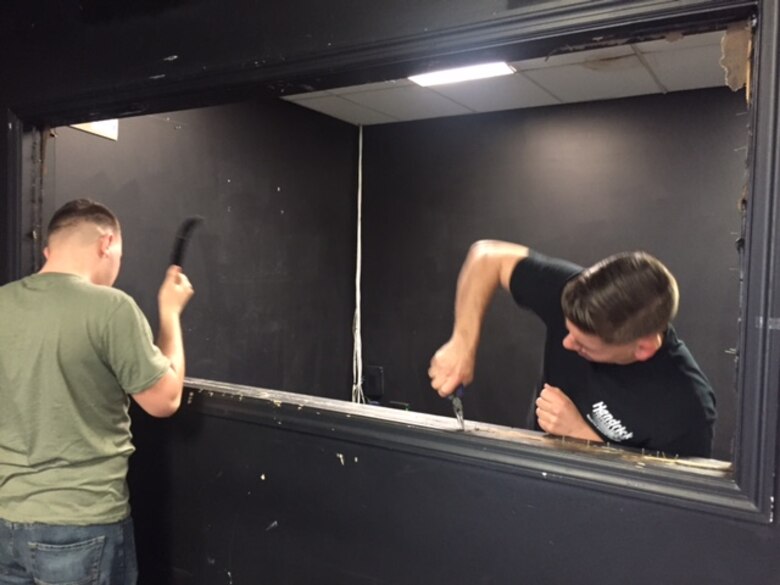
[{"x": 357, "y": 354}]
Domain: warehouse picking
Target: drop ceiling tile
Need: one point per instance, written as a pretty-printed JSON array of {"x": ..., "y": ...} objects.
[
  {"x": 344, "y": 110},
  {"x": 392, "y": 84},
  {"x": 302, "y": 97},
  {"x": 673, "y": 43},
  {"x": 573, "y": 58},
  {"x": 499, "y": 93},
  {"x": 611, "y": 72},
  {"x": 408, "y": 103},
  {"x": 690, "y": 69},
  {"x": 596, "y": 80}
]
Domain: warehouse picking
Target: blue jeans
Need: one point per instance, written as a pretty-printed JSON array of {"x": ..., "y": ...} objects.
[{"x": 48, "y": 554}]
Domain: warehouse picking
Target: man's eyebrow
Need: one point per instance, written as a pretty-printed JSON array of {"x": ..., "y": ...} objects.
[
  {"x": 577, "y": 340},
  {"x": 585, "y": 347}
]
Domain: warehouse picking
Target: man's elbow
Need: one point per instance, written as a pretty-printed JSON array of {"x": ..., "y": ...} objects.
[
  {"x": 496, "y": 259},
  {"x": 163, "y": 409},
  {"x": 482, "y": 249},
  {"x": 164, "y": 398}
]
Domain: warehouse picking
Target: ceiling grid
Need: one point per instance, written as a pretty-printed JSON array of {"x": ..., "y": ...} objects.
[{"x": 675, "y": 64}]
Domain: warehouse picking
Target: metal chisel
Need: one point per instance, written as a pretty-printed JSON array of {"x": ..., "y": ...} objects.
[{"x": 457, "y": 405}]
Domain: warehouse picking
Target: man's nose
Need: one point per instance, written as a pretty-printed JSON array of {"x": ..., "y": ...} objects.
[{"x": 569, "y": 343}]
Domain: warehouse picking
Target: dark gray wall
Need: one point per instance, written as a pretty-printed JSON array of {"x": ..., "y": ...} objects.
[
  {"x": 201, "y": 33},
  {"x": 272, "y": 265},
  {"x": 240, "y": 493},
  {"x": 558, "y": 532},
  {"x": 658, "y": 173}
]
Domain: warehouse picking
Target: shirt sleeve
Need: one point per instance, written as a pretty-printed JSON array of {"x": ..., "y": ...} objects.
[
  {"x": 537, "y": 284},
  {"x": 131, "y": 354}
]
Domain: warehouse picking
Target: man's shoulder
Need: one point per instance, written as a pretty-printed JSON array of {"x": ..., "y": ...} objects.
[
  {"x": 63, "y": 285},
  {"x": 113, "y": 299},
  {"x": 685, "y": 379},
  {"x": 536, "y": 262},
  {"x": 538, "y": 281},
  {"x": 12, "y": 285},
  {"x": 111, "y": 294},
  {"x": 100, "y": 293},
  {"x": 96, "y": 298},
  {"x": 678, "y": 358}
]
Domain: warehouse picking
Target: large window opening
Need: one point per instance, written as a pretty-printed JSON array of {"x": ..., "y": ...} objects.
[{"x": 589, "y": 149}]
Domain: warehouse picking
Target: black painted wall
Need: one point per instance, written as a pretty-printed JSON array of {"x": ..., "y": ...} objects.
[
  {"x": 236, "y": 493},
  {"x": 658, "y": 173},
  {"x": 558, "y": 533},
  {"x": 166, "y": 41},
  {"x": 273, "y": 264},
  {"x": 581, "y": 181}
]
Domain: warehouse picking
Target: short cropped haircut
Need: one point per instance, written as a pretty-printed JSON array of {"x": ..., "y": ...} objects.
[
  {"x": 622, "y": 298},
  {"x": 82, "y": 210}
]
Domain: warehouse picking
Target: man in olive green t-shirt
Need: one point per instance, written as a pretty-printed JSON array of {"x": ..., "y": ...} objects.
[{"x": 72, "y": 349}]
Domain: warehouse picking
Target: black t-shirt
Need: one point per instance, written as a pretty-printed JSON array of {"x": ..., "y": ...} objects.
[{"x": 662, "y": 404}]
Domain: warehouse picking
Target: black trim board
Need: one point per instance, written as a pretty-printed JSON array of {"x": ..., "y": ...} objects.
[
  {"x": 614, "y": 471},
  {"x": 757, "y": 453}
]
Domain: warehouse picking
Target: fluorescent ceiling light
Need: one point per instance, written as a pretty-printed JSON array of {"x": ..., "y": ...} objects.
[{"x": 462, "y": 74}]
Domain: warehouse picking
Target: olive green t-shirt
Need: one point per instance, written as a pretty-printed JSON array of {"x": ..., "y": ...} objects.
[{"x": 70, "y": 353}]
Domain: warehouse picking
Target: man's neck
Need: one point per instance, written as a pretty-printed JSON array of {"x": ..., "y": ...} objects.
[{"x": 73, "y": 267}]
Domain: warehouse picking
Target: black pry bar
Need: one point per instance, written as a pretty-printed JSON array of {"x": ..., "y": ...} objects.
[{"x": 182, "y": 237}]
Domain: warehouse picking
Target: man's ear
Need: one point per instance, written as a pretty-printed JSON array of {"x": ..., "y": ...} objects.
[
  {"x": 46, "y": 252},
  {"x": 646, "y": 347},
  {"x": 104, "y": 243}
]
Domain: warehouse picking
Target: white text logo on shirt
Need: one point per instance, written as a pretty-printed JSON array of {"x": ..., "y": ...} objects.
[{"x": 609, "y": 426}]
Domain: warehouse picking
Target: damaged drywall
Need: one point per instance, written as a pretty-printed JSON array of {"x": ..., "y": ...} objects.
[{"x": 736, "y": 48}]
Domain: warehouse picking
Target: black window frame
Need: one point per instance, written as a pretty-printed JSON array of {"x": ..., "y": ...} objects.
[{"x": 745, "y": 496}]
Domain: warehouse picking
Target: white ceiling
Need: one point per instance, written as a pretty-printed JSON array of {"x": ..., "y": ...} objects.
[{"x": 674, "y": 64}]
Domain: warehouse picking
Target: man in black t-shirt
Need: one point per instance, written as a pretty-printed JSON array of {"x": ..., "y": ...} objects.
[{"x": 614, "y": 368}]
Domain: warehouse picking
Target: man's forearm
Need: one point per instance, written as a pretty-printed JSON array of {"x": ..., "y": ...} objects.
[{"x": 488, "y": 264}]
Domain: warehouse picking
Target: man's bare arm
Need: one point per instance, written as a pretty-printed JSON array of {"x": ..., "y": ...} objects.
[
  {"x": 489, "y": 263},
  {"x": 164, "y": 397}
]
